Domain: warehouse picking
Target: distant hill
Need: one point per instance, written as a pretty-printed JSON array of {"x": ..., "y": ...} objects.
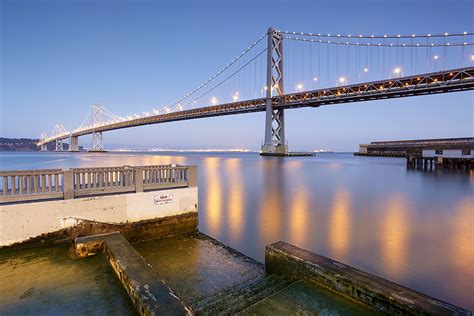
[{"x": 23, "y": 144}]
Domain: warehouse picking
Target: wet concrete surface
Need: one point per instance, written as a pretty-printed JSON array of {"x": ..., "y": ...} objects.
[
  {"x": 306, "y": 298},
  {"x": 214, "y": 279},
  {"x": 50, "y": 280},
  {"x": 196, "y": 266}
]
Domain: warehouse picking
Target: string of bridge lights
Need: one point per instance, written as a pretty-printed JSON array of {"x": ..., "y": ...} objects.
[
  {"x": 379, "y": 36},
  {"x": 378, "y": 44}
]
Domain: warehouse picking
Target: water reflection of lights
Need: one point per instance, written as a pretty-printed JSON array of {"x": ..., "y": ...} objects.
[
  {"x": 271, "y": 201},
  {"x": 462, "y": 240},
  {"x": 213, "y": 209},
  {"x": 395, "y": 235},
  {"x": 236, "y": 198},
  {"x": 340, "y": 225},
  {"x": 299, "y": 214}
]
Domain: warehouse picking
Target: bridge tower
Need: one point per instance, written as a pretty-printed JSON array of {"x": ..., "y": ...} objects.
[
  {"x": 275, "y": 118},
  {"x": 44, "y": 147},
  {"x": 97, "y": 120},
  {"x": 59, "y": 145}
]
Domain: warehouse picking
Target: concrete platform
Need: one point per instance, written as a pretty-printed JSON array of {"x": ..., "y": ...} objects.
[
  {"x": 196, "y": 266},
  {"x": 214, "y": 279}
]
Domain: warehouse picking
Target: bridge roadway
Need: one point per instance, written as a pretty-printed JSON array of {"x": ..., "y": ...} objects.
[{"x": 453, "y": 80}]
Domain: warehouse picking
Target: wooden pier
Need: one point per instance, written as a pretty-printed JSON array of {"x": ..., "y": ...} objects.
[{"x": 432, "y": 163}]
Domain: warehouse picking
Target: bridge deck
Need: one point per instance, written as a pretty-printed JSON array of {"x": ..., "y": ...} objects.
[{"x": 438, "y": 82}]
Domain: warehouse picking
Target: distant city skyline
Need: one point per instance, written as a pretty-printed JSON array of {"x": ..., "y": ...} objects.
[{"x": 60, "y": 58}]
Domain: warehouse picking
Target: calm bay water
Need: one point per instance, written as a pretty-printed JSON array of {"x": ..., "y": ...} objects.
[{"x": 411, "y": 227}]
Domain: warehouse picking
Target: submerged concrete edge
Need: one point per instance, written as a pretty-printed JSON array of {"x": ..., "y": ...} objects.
[
  {"x": 374, "y": 291},
  {"x": 148, "y": 293}
]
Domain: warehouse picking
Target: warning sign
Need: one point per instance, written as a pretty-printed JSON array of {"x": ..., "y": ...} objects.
[{"x": 163, "y": 199}]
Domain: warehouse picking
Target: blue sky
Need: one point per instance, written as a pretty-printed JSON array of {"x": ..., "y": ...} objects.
[{"x": 60, "y": 57}]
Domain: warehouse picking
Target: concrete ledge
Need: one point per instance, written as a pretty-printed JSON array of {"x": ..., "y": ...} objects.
[
  {"x": 149, "y": 295},
  {"x": 381, "y": 294}
]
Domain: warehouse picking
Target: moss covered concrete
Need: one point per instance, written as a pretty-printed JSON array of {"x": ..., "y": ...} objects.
[{"x": 381, "y": 294}]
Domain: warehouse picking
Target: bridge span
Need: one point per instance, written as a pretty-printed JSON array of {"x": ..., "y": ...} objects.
[{"x": 274, "y": 101}]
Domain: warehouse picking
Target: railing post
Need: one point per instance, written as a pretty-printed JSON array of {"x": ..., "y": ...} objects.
[
  {"x": 138, "y": 179},
  {"x": 68, "y": 182},
  {"x": 192, "y": 176}
]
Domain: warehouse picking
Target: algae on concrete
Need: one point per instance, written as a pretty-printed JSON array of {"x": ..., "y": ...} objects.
[{"x": 51, "y": 280}]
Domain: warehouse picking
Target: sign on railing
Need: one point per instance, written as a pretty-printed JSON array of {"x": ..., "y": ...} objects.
[{"x": 30, "y": 185}]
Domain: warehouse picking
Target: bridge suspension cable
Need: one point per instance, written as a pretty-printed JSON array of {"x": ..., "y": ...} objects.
[
  {"x": 235, "y": 61},
  {"x": 361, "y": 58}
]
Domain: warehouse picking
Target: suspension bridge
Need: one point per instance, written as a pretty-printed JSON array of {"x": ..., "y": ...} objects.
[{"x": 285, "y": 70}]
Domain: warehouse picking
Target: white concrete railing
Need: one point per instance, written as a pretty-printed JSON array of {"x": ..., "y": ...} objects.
[
  {"x": 31, "y": 185},
  {"x": 35, "y": 184}
]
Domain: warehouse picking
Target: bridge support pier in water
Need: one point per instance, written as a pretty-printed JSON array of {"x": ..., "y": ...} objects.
[{"x": 73, "y": 143}]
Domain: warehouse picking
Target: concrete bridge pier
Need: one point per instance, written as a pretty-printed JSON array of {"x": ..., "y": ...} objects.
[{"x": 73, "y": 143}]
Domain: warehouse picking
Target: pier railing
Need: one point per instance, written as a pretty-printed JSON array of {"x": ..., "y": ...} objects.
[{"x": 32, "y": 185}]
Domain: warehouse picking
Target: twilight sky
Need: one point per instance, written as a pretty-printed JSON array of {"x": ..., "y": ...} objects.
[{"x": 60, "y": 57}]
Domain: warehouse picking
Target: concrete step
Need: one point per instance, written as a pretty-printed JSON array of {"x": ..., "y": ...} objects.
[
  {"x": 239, "y": 297},
  {"x": 199, "y": 304}
]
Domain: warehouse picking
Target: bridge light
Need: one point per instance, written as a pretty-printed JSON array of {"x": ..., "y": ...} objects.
[
  {"x": 299, "y": 87},
  {"x": 397, "y": 70},
  {"x": 235, "y": 97},
  {"x": 366, "y": 69},
  {"x": 213, "y": 100},
  {"x": 315, "y": 79},
  {"x": 472, "y": 57},
  {"x": 342, "y": 80},
  {"x": 435, "y": 57}
]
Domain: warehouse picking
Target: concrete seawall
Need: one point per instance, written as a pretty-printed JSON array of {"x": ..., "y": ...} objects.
[{"x": 67, "y": 219}]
